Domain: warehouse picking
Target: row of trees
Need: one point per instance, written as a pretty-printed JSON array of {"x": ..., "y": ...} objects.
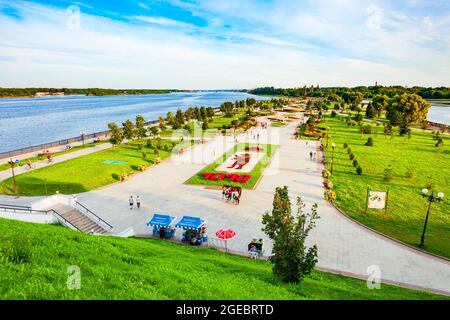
[
  {"x": 356, "y": 93},
  {"x": 30, "y": 92}
]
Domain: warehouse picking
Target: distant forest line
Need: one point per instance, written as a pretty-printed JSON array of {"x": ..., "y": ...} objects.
[
  {"x": 31, "y": 92},
  {"x": 367, "y": 92}
]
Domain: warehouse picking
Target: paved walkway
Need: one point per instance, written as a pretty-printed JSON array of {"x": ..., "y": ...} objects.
[
  {"x": 344, "y": 246},
  {"x": 44, "y": 163}
]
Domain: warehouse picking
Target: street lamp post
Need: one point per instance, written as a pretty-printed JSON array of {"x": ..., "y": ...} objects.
[
  {"x": 431, "y": 198},
  {"x": 13, "y": 164},
  {"x": 328, "y": 130},
  {"x": 333, "y": 145},
  {"x": 82, "y": 137}
]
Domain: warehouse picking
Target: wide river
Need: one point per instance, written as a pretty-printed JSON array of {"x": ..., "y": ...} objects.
[
  {"x": 439, "y": 114},
  {"x": 32, "y": 121}
]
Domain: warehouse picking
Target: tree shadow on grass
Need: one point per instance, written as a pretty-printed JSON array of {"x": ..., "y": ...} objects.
[{"x": 32, "y": 186}]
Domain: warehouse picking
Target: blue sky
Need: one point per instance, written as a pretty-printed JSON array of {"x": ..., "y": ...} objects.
[{"x": 215, "y": 44}]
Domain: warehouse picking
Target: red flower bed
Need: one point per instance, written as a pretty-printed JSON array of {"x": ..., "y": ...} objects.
[{"x": 233, "y": 177}]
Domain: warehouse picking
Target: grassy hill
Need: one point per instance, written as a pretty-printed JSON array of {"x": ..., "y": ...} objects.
[{"x": 34, "y": 261}]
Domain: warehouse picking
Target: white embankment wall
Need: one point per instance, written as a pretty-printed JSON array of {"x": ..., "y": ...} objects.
[
  {"x": 52, "y": 201},
  {"x": 29, "y": 217}
]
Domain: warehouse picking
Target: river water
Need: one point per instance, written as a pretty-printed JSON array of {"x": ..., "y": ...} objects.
[
  {"x": 439, "y": 114},
  {"x": 31, "y": 121}
]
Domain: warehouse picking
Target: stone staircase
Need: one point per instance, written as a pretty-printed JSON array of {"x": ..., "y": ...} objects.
[{"x": 79, "y": 220}]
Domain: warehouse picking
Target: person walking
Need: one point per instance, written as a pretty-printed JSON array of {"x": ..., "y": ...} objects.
[
  {"x": 131, "y": 201},
  {"x": 310, "y": 155},
  {"x": 314, "y": 156},
  {"x": 138, "y": 202}
]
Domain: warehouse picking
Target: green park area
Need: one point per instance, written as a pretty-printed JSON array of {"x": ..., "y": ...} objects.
[
  {"x": 92, "y": 171},
  {"x": 278, "y": 124},
  {"x": 35, "y": 258},
  {"x": 23, "y": 162},
  {"x": 195, "y": 127},
  {"x": 404, "y": 165},
  {"x": 268, "y": 151}
]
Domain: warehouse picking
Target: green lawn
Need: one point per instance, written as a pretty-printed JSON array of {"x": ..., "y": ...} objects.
[
  {"x": 269, "y": 151},
  {"x": 278, "y": 124},
  {"x": 85, "y": 173},
  {"x": 216, "y": 123},
  {"x": 55, "y": 154},
  {"x": 407, "y": 209},
  {"x": 120, "y": 268}
]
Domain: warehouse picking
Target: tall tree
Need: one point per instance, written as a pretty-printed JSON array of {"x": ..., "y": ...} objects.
[
  {"x": 179, "y": 117},
  {"x": 170, "y": 118},
  {"x": 129, "y": 131},
  {"x": 115, "y": 134},
  {"x": 406, "y": 109},
  {"x": 162, "y": 124},
  {"x": 141, "y": 132},
  {"x": 380, "y": 102},
  {"x": 291, "y": 258}
]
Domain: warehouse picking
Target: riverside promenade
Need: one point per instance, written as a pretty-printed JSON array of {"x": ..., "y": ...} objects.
[{"x": 344, "y": 246}]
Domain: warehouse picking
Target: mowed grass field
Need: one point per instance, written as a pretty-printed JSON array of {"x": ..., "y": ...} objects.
[
  {"x": 268, "y": 151},
  {"x": 34, "y": 261},
  {"x": 407, "y": 209},
  {"x": 87, "y": 172},
  {"x": 23, "y": 162}
]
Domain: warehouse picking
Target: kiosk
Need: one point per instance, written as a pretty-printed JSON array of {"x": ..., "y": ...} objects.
[
  {"x": 195, "y": 230},
  {"x": 162, "y": 225}
]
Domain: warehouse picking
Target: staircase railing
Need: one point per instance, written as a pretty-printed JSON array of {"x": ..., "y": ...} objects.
[
  {"x": 88, "y": 213},
  {"x": 24, "y": 209}
]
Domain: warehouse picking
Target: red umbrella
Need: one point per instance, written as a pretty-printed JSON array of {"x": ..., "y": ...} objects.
[{"x": 225, "y": 234}]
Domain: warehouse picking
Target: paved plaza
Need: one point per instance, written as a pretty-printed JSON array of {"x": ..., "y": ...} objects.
[{"x": 343, "y": 245}]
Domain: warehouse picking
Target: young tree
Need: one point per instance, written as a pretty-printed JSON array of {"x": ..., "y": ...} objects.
[
  {"x": 153, "y": 130},
  {"x": 170, "y": 118},
  {"x": 162, "y": 124},
  {"x": 115, "y": 134},
  {"x": 129, "y": 131},
  {"x": 141, "y": 132},
  {"x": 179, "y": 117},
  {"x": 292, "y": 260}
]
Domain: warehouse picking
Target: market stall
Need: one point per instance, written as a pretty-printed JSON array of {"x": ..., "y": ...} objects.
[
  {"x": 194, "y": 230},
  {"x": 162, "y": 225}
]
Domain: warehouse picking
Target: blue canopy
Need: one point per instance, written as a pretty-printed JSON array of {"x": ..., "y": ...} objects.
[
  {"x": 161, "y": 220},
  {"x": 190, "y": 223}
]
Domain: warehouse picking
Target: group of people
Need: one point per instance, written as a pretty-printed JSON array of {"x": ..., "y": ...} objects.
[
  {"x": 166, "y": 233},
  {"x": 195, "y": 237},
  {"x": 312, "y": 155},
  {"x": 232, "y": 194},
  {"x": 264, "y": 125},
  {"x": 131, "y": 202}
]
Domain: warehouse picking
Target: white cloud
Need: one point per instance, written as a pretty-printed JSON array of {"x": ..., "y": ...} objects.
[
  {"x": 162, "y": 54},
  {"x": 143, "y": 5}
]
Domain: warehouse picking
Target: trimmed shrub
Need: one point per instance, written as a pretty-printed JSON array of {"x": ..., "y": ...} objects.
[
  {"x": 359, "y": 170},
  {"x": 328, "y": 184},
  {"x": 349, "y": 150},
  {"x": 355, "y": 163},
  {"x": 345, "y": 145},
  {"x": 352, "y": 156},
  {"x": 144, "y": 155},
  {"x": 326, "y": 174},
  {"x": 369, "y": 142}
]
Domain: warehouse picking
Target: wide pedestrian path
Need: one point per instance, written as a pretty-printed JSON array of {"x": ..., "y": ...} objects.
[{"x": 344, "y": 246}]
